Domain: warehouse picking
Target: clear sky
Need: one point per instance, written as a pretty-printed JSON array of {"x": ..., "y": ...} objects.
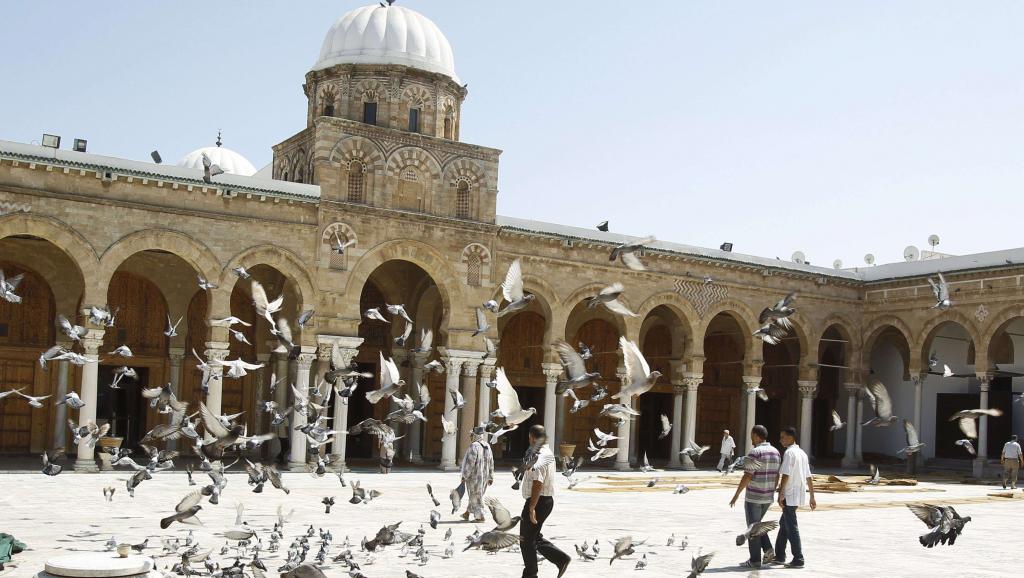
[{"x": 836, "y": 128}]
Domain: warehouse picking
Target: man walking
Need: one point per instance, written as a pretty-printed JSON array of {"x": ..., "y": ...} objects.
[
  {"x": 795, "y": 483},
  {"x": 477, "y": 473},
  {"x": 1012, "y": 461},
  {"x": 760, "y": 476},
  {"x": 728, "y": 445},
  {"x": 539, "y": 491}
]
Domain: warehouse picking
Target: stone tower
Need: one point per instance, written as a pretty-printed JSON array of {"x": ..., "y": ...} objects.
[{"x": 383, "y": 121}]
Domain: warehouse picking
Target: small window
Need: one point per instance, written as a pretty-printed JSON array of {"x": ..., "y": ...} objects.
[
  {"x": 462, "y": 200},
  {"x": 448, "y": 127},
  {"x": 329, "y": 109},
  {"x": 355, "y": 182},
  {"x": 414, "y": 120},
  {"x": 370, "y": 112}
]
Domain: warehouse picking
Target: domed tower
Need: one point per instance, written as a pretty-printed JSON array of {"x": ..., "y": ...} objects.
[
  {"x": 228, "y": 160},
  {"x": 383, "y": 121}
]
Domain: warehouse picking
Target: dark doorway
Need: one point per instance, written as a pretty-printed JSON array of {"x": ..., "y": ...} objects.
[
  {"x": 124, "y": 408},
  {"x": 769, "y": 414},
  {"x": 947, "y": 432},
  {"x": 359, "y": 408},
  {"x": 517, "y": 442},
  {"x": 651, "y": 405}
]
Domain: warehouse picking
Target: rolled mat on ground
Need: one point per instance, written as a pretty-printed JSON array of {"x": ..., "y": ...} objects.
[{"x": 9, "y": 545}]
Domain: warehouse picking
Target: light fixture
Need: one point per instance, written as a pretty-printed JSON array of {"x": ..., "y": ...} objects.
[
  {"x": 156, "y": 157},
  {"x": 51, "y": 141},
  {"x": 80, "y": 144},
  {"x": 727, "y": 247}
]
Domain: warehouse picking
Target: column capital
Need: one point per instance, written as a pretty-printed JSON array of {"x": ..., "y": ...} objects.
[
  {"x": 692, "y": 380},
  {"x": 470, "y": 367},
  {"x": 808, "y": 388},
  {"x": 217, "y": 350},
  {"x": 92, "y": 341},
  {"x": 751, "y": 381},
  {"x": 487, "y": 369},
  {"x": 852, "y": 388},
  {"x": 984, "y": 378},
  {"x": 552, "y": 371},
  {"x": 176, "y": 354},
  {"x": 453, "y": 365},
  {"x": 306, "y": 358}
]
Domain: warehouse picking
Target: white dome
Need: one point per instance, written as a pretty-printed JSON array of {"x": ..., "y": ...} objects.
[
  {"x": 387, "y": 35},
  {"x": 228, "y": 160}
]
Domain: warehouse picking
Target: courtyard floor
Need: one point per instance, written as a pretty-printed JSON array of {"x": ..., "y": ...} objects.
[{"x": 865, "y": 532}]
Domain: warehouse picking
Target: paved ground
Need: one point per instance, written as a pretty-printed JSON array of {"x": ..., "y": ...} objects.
[{"x": 868, "y": 532}]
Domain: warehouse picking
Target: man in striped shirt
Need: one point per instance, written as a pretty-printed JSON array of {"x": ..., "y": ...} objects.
[{"x": 760, "y": 477}]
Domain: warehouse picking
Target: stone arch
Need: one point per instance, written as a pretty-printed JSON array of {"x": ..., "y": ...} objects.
[
  {"x": 327, "y": 100},
  {"x": 196, "y": 254},
  {"x": 467, "y": 170},
  {"x": 1002, "y": 318},
  {"x": 411, "y": 156},
  {"x": 370, "y": 90},
  {"x": 416, "y": 96},
  {"x": 357, "y": 148},
  {"x": 420, "y": 254},
  {"x": 286, "y": 262},
  {"x": 738, "y": 310},
  {"x": 60, "y": 235},
  {"x": 921, "y": 347},
  {"x": 875, "y": 327}
]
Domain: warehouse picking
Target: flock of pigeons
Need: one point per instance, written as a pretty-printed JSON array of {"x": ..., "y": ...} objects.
[{"x": 216, "y": 438}]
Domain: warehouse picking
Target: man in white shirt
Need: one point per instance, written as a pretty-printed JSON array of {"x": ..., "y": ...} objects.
[
  {"x": 538, "y": 490},
  {"x": 1012, "y": 460},
  {"x": 728, "y": 445},
  {"x": 795, "y": 483}
]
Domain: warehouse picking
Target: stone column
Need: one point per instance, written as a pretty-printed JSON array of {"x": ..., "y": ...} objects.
[
  {"x": 552, "y": 371},
  {"x": 692, "y": 381},
  {"x": 918, "y": 380},
  {"x": 468, "y": 422},
  {"x": 808, "y": 389},
  {"x": 86, "y": 461},
  {"x": 850, "y": 455},
  {"x": 60, "y": 428},
  {"x": 859, "y": 452},
  {"x": 622, "y": 458},
  {"x": 415, "y": 446},
  {"x": 297, "y": 456},
  {"x": 175, "y": 355},
  {"x": 750, "y": 386},
  {"x": 982, "y": 459},
  {"x": 348, "y": 349},
  {"x": 279, "y": 375},
  {"x": 675, "y": 461},
  {"x": 215, "y": 350},
  {"x": 483, "y": 397},
  {"x": 453, "y": 365}
]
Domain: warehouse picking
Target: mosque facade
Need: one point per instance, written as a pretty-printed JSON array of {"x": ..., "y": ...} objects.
[{"x": 380, "y": 167}]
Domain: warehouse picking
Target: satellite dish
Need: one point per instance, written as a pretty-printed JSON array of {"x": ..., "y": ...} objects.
[
  {"x": 837, "y": 264},
  {"x": 911, "y": 253},
  {"x": 933, "y": 240},
  {"x": 799, "y": 257},
  {"x": 869, "y": 259}
]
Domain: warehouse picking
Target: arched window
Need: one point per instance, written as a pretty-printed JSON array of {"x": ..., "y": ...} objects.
[
  {"x": 355, "y": 182},
  {"x": 462, "y": 200},
  {"x": 448, "y": 127},
  {"x": 414, "y": 120},
  {"x": 329, "y": 108}
]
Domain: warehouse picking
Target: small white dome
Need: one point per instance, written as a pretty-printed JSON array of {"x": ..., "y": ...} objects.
[
  {"x": 228, "y": 160},
  {"x": 387, "y": 35}
]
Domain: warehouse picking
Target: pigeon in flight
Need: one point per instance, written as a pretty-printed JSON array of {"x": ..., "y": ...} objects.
[
  {"x": 941, "y": 291},
  {"x": 967, "y": 445},
  {"x": 338, "y": 246},
  {"x": 575, "y": 368},
  {"x": 210, "y": 169},
  {"x": 604, "y": 438},
  {"x": 968, "y": 420},
  {"x": 641, "y": 378},
  {"x": 185, "y": 512},
  {"x": 837, "y": 422},
  {"x": 481, "y": 322},
  {"x": 666, "y": 427},
  {"x": 779, "y": 313},
  {"x": 508, "y": 401},
  {"x": 204, "y": 284},
  {"x": 876, "y": 475},
  {"x": 51, "y": 467},
  {"x": 880, "y": 401},
  {"x": 914, "y": 442},
  {"x": 71, "y": 399},
  {"x": 172, "y": 327},
  {"x": 627, "y": 253},
  {"x": 609, "y": 297},
  {"x": 693, "y": 450},
  {"x": 618, "y": 411},
  {"x": 622, "y": 547},
  {"x": 122, "y": 351},
  {"x": 502, "y": 517},
  {"x": 770, "y": 333},
  {"x": 512, "y": 290},
  {"x": 390, "y": 381},
  {"x": 756, "y": 530},
  {"x": 73, "y": 332},
  {"x": 8, "y": 286},
  {"x": 399, "y": 310},
  {"x": 33, "y": 400},
  {"x": 374, "y": 314},
  {"x": 943, "y": 521},
  {"x": 699, "y": 564}
]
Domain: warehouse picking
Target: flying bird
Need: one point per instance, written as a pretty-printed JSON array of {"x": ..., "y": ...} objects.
[
  {"x": 50, "y": 466},
  {"x": 575, "y": 368},
  {"x": 609, "y": 297},
  {"x": 967, "y": 420},
  {"x": 756, "y": 530},
  {"x": 641, "y": 378},
  {"x": 35, "y": 401},
  {"x": 837, "y": 422},
  {"x": 666, "y": 427},
  {"x": 880, "y": 401},
  {"x": 941, "y": 291},
  {"x": 699, "y": 564},
  {"x": 9, "y": 285},
  {"x": 943, "y": 521},
  {"x": 508, "y": 401},
  {"x": 914, "y": 442},
  {"x": 172, "y": 327},
  {"x": 779, "y": 313},
  {"x": 512, "y": 290},
  {"x": 390, "y": 380},
  {"x": 185, "y": 512},
  {"x": 204, "y": 284},
  {"x": 627, "y": 253}
]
